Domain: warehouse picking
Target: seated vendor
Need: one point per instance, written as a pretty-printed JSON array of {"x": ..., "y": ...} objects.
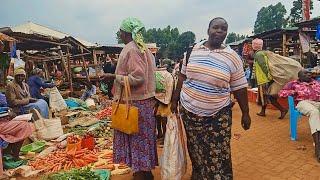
[
  {"x": 12, "y": 135},
  {"x": 19, "y": 98},
  {"x": 35, "y": 83},
  {"x": 306, "y": 92},
  {"x": 90, "y": 90}
]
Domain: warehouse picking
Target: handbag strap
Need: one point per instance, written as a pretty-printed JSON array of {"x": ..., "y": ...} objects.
[
  {"x": 118, "y": 101},
  {"x": 127, "y": 94}
]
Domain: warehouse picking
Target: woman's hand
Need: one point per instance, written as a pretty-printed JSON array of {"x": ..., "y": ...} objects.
[
  {"x": 11, "y": 114},
  {"x": 246, "y": 121},
  {"x": 32, "y": 100},
  {"x": 108, "y": 76}
]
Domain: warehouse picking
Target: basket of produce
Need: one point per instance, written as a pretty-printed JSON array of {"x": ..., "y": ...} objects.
[
  {"x": 37, "y": 146},
  {"x": 73, "y": 143},
  {"x": 88, "y": 141}
]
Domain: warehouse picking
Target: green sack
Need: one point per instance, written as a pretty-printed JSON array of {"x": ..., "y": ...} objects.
[
  {"x": 10, "y": 163},
  {"x": 104, "y": 174},
  {"x": 160, "y": 83},
  {"x": 37, "y": 146}
]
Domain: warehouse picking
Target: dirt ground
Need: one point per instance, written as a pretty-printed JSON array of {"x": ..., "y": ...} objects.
[{"x": 265, "y": 152}]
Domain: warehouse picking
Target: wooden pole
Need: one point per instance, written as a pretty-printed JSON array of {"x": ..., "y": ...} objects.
[
  {"x": 84, "y": 64},
  {"x": 69, "y": 68},
  {"x": 95, "y": 62},
  {"x": 284, "y": 45},
  {"x": 46, "y": 71},
  {"x": 63, "y": 63}
]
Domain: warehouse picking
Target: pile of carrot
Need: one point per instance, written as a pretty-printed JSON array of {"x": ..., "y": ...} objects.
[
  {"x": 107, "y": 112},
  {"x": 63, "y": 160}
]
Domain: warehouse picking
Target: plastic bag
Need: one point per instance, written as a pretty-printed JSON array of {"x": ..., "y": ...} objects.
[
  {"x": 56, "y": 101},
  {"x": 173, "y": 162},
  {"x": 18, "y": 63},
  {"x": 48, "y": 129},
  {"x": 10, "y": 163},
  {"x": 104, "y": 174}
]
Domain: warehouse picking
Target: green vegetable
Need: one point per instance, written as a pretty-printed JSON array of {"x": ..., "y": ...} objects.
[
  {"x": 78, "y": 130},
  {"x": 74, "y": 174}
]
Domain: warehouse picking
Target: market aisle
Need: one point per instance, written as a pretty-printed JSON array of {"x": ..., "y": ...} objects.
[{"x": 266, "y": 151}]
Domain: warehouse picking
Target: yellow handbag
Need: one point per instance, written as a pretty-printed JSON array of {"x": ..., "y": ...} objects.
[{"x": 125, "y": 116}]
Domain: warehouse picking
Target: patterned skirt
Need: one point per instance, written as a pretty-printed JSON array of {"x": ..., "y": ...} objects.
[
  {"x": 138, "y": 151},
  {"x": 208, "y": 141}
]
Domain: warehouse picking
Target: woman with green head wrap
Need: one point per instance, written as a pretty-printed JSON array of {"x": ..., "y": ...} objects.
[
  {"x": 137, "y": 63},
  {"x": 131, "y": 28}
]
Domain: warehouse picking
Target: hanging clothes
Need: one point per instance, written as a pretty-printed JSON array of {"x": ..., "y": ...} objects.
[
  {"x": 4, "y": 61},
  {"x": 318, "y": 32}
]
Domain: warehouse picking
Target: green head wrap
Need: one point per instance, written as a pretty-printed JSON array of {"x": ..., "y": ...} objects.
[{"x": 134, "y": 26}]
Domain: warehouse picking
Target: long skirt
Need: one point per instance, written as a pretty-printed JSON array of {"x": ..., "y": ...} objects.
[
  {"x": 208, "y": 141},
  {"x": 139, "y": 150},
  {"x": 12, "y": 132},
  {"x": 41, "y": 105}
]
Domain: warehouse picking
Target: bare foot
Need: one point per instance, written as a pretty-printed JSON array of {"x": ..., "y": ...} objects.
[
  {"x": 3, "y": 176},
  {"x": 261, "y": 114},
  {"x": 317, "y": 153},
  {"x": 283, "y": 114}
]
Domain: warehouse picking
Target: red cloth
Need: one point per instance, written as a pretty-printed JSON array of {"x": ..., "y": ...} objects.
[
  {"x": 302, "y": 90},
  {"x": 12, "y": 132},
  {"x": 247, "y": 48}
]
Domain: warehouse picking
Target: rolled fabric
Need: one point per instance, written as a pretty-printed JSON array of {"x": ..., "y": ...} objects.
[{"x": 257, "y": 44}]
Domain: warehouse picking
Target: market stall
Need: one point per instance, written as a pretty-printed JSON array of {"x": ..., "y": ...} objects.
[
  {"x": 77, "y": 140},
  {"x": 5, "y": 56}
]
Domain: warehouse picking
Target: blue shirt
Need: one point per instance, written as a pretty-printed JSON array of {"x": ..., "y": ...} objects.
[{"x": 35, "y": 83}]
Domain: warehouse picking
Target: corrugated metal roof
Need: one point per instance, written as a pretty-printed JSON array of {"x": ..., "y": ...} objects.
[{"x": 33, "y": 28}]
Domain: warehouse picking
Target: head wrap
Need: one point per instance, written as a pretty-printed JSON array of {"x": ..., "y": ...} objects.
[
  {"x": 257, "y": 44},
  {"x": 134, "y": 26},
  {"x": 19, "y": 71}
]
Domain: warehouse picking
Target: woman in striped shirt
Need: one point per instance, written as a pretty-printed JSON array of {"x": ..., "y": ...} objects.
[{"x": 205, "y": 84}]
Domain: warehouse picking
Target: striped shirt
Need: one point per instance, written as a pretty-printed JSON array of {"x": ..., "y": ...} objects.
[{"x": 211, "y": 76}]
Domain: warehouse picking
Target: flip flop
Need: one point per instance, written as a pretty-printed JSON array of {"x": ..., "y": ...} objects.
[{"x": 262, "y": 115}]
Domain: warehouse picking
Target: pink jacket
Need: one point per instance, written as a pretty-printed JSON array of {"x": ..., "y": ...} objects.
[{"x": 139, "y": 68}]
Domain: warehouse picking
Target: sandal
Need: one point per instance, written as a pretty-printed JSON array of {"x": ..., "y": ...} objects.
[{"x": 261, "y": 114}]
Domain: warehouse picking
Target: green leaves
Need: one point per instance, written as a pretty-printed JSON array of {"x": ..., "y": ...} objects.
[
  {"x": 233, "y": 37},
  {"x": 172, "y": 44},
  {"x": 74, "y": 174},
  {"x": 271, "y": 17},
  {"x": 296, "y": 12}
]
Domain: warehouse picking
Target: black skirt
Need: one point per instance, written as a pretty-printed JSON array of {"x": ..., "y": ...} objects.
[{"x": 208, "y": 141}]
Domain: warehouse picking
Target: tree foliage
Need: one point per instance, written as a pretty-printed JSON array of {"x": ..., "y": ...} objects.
[
  {"x": 296, "y": 12},
  {"x": 233, "y": 37},
  {"x": 172, "y": 44},
  {"x": 271, "y": 17}
]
